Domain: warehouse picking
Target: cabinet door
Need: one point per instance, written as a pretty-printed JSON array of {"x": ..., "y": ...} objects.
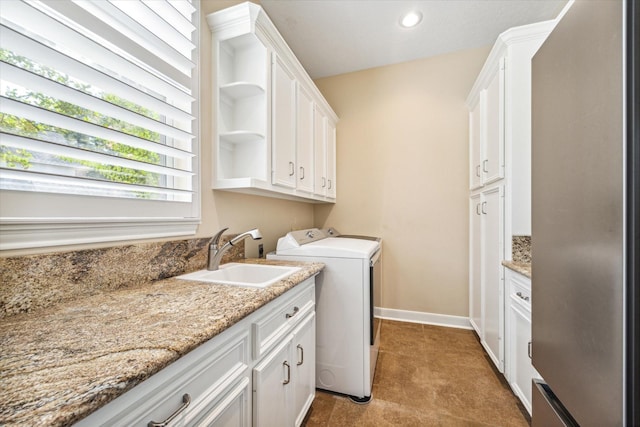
[
  {"x": 283, "y": 140},
  {"x": 520, "y": 367},
  {"x": 304, "y": 347},
  {"x": 475, "y": 246},
  {"x": 272, "y": 382},
  {"x": 492, "y": 209},
  {"x": 304, "y": 143},
  {"x": 475, "y": 156},
  {"x": 320, "y": 153},
  {"x": 493, "y": 156},
  {"x": 331, "y": 160}
]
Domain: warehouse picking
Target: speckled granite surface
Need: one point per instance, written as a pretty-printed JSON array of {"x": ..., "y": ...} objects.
[
  {"x": 521, "y": 249},
  {"x": 520, "y": 255},
  {"x": 29, "y": 283},
  {"x": 59, "y": 364}
]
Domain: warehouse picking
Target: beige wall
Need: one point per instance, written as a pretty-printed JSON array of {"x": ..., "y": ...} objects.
[{"x": 402, "y": 164}]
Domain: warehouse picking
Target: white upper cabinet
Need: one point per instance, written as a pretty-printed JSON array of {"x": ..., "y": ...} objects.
[
  {"x": 283, "y": 116},
  {"x": 331, "y": 160},
  {"x": 264, "y": 103},
  {"x": 305, "y": 140},
  {"x": 492, "y": 168},
  {"x": 325, "y": 155},
  {"x": 486, "y": 130},
  {"x": 475, "y": 154},
  {"x": 500, "y": 122}
]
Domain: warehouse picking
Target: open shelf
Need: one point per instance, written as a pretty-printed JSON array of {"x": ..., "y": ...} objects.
[
  {"x": 239, "y": 90},
  {"x": 241, "y": 136}
]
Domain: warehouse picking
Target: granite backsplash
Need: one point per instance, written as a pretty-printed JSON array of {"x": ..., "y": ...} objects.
[
  {"x": 521, "y": 249},
  {"x": 32, "y": 282}
]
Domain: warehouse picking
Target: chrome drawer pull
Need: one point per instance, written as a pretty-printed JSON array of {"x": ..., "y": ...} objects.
[
  {"x": 186, "y": 400},
  {"x": 301, "y": 354},
  {"x": 295, "y": 311},
  {"x": 288, "y": 380},
  {"x": 291, "y": 169},
  {"x": 522, "y": 296},
  {"x": 301, "y": 172}
]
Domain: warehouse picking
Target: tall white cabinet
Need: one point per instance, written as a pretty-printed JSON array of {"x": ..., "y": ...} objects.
[
  {"x": 274, "y": 133},
  {"x": 499, "y": 175}
]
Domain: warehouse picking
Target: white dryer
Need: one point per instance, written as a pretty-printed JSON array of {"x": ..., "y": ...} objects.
[{"x": 347, "y": 333}]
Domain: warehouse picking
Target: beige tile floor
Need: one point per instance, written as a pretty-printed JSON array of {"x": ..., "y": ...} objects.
[{"x": 426, "y": 376}]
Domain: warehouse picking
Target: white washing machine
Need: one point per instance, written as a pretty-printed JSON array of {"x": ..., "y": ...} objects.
[{"x": 347, "y": 334}]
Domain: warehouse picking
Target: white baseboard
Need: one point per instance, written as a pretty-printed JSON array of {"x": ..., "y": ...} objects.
[{"x": 421, "y": 317}]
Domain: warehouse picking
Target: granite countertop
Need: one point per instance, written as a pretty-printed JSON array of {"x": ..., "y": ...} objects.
[
  {"x": 523, "y": 268},
  {"x": 61, "y": 363}
]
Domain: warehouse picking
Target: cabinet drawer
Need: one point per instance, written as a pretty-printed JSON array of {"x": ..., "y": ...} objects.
[
  {"x": 231, "y": 409},
  {"x": 270, "y": 328},
  {"x": 204, "y": 375},
  {"x": 520, "y": 291}
]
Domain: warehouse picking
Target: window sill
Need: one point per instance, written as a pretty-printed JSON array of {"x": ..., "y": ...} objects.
[{"x": 39, "y": 233}]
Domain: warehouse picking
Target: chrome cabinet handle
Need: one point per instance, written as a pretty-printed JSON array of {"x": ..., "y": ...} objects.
[
  {"x": 186, "y": 400},
  {"x": 484, "y": 204},
  {"x": 478, "y": 171},
  {"x": 301, "y": 172},
  {"x": 295, "y": 311},
  {"x": 329, "y": 184},
  {"x": 324, "y": 182},
  {"x": 291, "y": 169},
  {"x": 529, "y": 349},
  {"x": 522, "y": 296},
  {"x": 299, "y": 347},
  {"x": 478, "y": 209},
  {"x": 288, "y": 380},
  {"x": 484, "y": 166}
]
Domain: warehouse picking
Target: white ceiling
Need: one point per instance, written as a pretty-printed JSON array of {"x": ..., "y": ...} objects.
[{"x": 332, "y": 37}]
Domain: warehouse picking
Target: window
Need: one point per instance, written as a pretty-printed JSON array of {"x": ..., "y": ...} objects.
[{"x": 98, "y": 137}]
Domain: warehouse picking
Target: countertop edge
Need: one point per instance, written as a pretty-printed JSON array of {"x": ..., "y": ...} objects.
[{"x": 523, "y": 268}]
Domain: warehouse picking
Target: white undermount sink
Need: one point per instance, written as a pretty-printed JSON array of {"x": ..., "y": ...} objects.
[{"x": 252, "y": 275}]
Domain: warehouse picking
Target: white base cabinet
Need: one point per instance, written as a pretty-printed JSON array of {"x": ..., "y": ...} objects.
[
  {"x": 520, "y": 372},
  {"x": 236, "y": 379},
  {"x": 272, "y": 382},
  {"x": 304, "y": 371},
  {"x": 284, "y": 382}
]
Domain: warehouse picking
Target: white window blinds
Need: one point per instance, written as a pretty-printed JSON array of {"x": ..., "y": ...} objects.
[{"x": 98, "y": 117}]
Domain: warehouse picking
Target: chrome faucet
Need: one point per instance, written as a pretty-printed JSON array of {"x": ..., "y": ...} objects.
[{"x": 216, "y": 252}]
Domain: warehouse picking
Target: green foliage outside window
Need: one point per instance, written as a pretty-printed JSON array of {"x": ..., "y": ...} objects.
[{"x": 14, "y": 157}]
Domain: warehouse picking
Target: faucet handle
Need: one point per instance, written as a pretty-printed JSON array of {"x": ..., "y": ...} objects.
[{"x": 215, "y": 239}]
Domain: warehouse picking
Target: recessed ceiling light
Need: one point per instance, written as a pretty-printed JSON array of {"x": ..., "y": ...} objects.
[{"x": 411, "y": 19}]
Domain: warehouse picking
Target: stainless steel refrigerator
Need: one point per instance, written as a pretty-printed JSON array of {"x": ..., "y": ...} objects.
[{"x": 586, "y": 218}]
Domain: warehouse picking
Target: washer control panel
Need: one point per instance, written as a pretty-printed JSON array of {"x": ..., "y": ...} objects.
[{"x": 297, "y": 238}]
